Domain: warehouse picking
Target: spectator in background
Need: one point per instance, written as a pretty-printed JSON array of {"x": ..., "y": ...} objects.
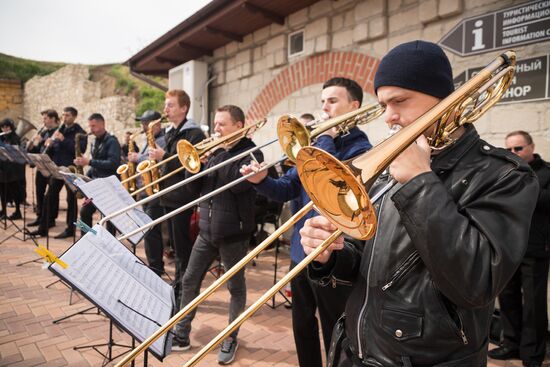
[{"x": 523, "y": 302}]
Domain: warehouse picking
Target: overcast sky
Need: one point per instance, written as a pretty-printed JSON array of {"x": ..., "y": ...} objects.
[{"x": 87, "y": 31}]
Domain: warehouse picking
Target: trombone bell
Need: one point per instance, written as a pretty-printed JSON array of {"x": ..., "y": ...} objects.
[
  {"x": 344, "y": 199},
  {"x": 188, "y": 156},
  {"x": 293, "y": 135}
]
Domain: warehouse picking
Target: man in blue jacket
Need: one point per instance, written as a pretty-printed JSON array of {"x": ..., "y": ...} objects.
[{"x": 339, "y": 96}]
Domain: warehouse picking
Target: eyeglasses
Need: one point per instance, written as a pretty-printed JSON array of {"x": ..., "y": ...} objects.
[{"x": 515, "y": 149}]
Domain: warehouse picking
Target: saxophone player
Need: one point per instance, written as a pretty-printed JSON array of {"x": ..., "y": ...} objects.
[
  {"x": 62, "y": 147},
  {"x": 176, "y": 107},
  {"x": 153, "y": 238}
]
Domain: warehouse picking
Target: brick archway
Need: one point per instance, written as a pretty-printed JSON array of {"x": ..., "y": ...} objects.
[{"x": 313, "y": 70}]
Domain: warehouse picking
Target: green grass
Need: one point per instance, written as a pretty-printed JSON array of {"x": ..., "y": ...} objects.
[{"x": 22, "y": 69}]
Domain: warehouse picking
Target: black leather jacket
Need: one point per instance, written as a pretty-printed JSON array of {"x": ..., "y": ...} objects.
[
  {"x": 447, "y": 243},
  {"x": 539, "y": 234}
]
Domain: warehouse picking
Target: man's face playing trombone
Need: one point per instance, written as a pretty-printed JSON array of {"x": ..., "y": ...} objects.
[
  {"x": 403, "y": 106},
  {"x": 336, "y": 101},
  {"x": 173, "y": 111},
  {"x": 224, "y": 124}
]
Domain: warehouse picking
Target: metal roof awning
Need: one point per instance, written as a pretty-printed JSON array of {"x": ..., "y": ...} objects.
[{"x": 213, "y": 26}]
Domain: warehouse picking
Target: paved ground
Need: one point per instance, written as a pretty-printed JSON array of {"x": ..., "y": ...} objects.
[{"x": 29, "y": 304}]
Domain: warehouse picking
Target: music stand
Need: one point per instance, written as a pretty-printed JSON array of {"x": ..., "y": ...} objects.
[
  {"x": 109, "y": 196},
  {"x": 12, "y": 153},
  {"x": 133, "y": 297}
]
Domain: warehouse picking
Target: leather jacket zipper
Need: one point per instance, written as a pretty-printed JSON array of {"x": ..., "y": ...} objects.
[
  {"x": 403, "y": 269},
  {"x": 461, "y": 330},
  {"x": 364, "y": 307}
]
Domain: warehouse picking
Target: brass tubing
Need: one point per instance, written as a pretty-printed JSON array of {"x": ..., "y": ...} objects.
[{"x": 214, "y": 286}]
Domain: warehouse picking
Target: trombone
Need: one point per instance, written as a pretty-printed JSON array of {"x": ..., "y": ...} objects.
[
  {"x": 190, "y": 155},
  {"x": 286, "y": 135}
]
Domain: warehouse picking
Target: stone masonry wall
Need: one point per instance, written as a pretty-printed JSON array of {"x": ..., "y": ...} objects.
[
  {"x": 259, "y": 76},
  {"x": 11, "y": 99},
  {"x": 70, "y": 86}
]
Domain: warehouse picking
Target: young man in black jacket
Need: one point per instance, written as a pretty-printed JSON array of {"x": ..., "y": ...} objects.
[
  {"x": 36, "y": 146},
  {"x": 226, "y": 224},
  {"x": 450, "y": 234},
  {"x": 176, "y": 107},
  {"x": 104, "y": 160},
  {"x": 523, "y": 303},
  {"x": 62, "y": 148}
]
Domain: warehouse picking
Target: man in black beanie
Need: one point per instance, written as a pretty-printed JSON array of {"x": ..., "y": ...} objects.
[{"x": 450, "y": 234}]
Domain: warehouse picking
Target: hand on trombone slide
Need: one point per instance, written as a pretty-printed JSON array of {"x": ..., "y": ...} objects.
[
  {"x": 254, "y": 167},
  {"x": 314, "y": 232},
  {"x": 412, "y": 161}
]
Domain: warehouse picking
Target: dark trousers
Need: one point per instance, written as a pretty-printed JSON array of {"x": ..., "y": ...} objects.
[
  {"x": 153, "y": 238},
  {"x": 41, "y": 183},
  {"x": 51, "y": 205},
  {"x": 86, "y": 214},
  {"x": 523, "y": 310},
  {"x": 179, "y": 237},
  {"x": 307, "y": 298},
  {"x": 203, "y": 254}
]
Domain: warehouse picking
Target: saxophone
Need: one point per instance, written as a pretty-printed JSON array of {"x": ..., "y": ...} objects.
[
  {"x": 150, "y": 175},
  {"x": 78, "y": 153},
  {"x": 128, "y": 170}
]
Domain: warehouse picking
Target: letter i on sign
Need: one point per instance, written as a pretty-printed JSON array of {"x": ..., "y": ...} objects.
[{"x": 478, "y": 36}]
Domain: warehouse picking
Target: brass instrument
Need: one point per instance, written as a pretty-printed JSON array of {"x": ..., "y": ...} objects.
[
  {"x": 288, "y": 135},
  {"x": 23, "y": 127},
  {"x": 190, "y": 155},
  {"x": 78, "y": 153},
  {"x": 293, "y": 135},
  {"x": 148, "y": 170},
  {"x": 129, "y": 169}
]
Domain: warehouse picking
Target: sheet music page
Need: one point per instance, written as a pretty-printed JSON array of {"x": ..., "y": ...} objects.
[
  {"x": 109, "y": 196},
  {"x": 104, "y": 270},
  {"x": 37, "y": 160},
  {"x": 51, "y": 166}
]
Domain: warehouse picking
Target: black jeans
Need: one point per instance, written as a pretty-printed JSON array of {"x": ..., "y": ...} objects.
[
  {"x": 153, "y": 239},
  {"x": 523, "y": 310},
  {"x": 307, "y": 297},
  {"x": 41, "y": 183},
  {"x": 179, "y": 237},
  {"x": 52, "y": 205}
]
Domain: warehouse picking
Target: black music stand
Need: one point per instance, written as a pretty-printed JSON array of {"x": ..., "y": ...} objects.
[{"x": 13, "y": 153}]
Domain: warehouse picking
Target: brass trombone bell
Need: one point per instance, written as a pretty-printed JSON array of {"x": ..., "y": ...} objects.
[
  {"x": 293, "y": 135},
  {"x": 339, "y": 189}
]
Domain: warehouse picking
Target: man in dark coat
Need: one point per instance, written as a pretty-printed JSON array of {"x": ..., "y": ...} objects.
[{"x": 523, "y": 303}]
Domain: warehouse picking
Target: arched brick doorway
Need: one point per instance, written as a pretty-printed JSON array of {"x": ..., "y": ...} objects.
[{"x": 313, "y": 70}]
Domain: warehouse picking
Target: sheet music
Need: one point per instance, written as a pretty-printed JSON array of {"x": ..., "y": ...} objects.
[
  {"x": 15, "y": 154},
  {"x": 109, "y": 196},
  {"x": 114, "y": 279},
  {"x": 38, "y": 161}
]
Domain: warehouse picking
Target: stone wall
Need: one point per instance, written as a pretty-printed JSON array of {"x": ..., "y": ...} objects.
[
  {"x": 347, "y": 38},
  {"x": 11, "y": 99},
  {"x": 70, "y": 86}
]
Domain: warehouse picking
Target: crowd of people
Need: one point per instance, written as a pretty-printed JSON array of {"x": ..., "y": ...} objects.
[{"x": 463, "y": 225}]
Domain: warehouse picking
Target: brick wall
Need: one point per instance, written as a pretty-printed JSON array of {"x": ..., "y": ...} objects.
[
  {"x": 11, "y": 101},
  {"x": 348, "y": 37}
]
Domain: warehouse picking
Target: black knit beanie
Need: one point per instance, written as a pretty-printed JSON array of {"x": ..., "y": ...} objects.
[{"x": 418, "y": 65}]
